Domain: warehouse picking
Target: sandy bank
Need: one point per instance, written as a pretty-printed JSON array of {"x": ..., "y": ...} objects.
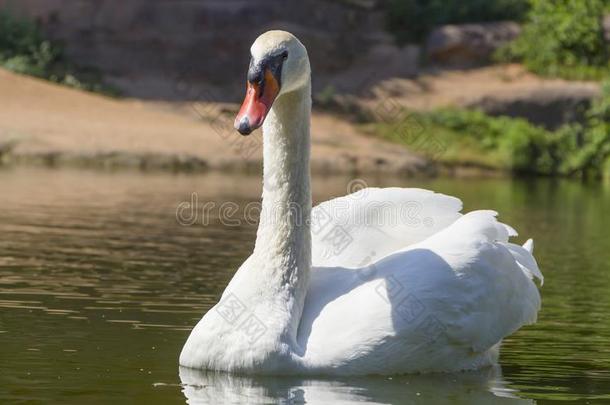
[{"x": 42, "y": 123}]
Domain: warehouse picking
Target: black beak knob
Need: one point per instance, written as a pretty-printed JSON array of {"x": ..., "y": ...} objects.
[{"x": 243, "y": 126}]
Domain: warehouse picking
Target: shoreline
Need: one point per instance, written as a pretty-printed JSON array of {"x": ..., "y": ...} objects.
[
  {"x": 43, "y": 124},
  {"x": 118, "y": 162}
]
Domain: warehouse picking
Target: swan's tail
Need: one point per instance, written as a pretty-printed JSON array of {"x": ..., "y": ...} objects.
[
  {"x": 524, "y": 258},
  {"x": 484, "y": 222}
]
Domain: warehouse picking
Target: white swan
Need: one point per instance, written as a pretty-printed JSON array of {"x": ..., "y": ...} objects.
[{"x": 381, "y": 281}]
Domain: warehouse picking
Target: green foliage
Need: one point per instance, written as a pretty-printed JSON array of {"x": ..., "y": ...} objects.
[
  {"x": 23, "y": 49},
  {"x": 563, "y": 38},
  {"x": 472, "y": 137},
  {"x": 515, "y": 143},
  {"x": 590, "y": 143},
  {"x": 412, "y": 20}
]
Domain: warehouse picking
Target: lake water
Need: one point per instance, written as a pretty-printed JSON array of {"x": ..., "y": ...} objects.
[{"x": 100, "y": 284}]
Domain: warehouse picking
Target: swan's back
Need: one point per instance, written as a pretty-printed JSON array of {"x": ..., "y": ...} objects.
[
  {"x": 442, "y": 300},
  {"x": 365, "y": 226}
]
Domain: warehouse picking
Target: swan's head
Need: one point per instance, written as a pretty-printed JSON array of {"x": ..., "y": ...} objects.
[{"x": 279, "y": 65}]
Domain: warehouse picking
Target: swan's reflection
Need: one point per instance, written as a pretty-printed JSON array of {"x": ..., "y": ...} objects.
[{"x": 480, "y": 387}]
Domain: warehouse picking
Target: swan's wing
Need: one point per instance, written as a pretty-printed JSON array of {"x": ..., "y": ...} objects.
[
  {"x": 442, "y": 304},
  {"x": 363, "y": 227},
  {"x": 499, "y": 273}
]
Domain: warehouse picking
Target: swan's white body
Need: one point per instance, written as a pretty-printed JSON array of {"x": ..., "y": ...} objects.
[{"x": 383, "y": 281}]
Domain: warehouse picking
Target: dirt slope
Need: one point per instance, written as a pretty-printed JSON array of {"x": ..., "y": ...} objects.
[{"x": 45, "y": 123}]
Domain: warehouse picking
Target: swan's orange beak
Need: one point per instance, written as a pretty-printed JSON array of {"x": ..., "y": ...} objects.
[{"x": 259, "y": 98}]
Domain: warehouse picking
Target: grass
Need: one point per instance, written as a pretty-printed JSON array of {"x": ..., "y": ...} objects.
[
  {"x": 25, "y": 50},
  {"x": 472, "y": 138},
  {"x": 457, "y": 137}
]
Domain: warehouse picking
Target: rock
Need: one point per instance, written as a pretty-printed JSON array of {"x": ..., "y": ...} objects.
[
  {"x": 382, "y": 61},
  {"x": 469, "y": 45},
  {"x": 550, "y": 105},
  {"x": 388, "y": 60}
]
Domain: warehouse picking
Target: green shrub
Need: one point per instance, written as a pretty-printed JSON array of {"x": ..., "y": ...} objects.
[
  {"x": 511, "y": 143},
  {"x": 412, "y": 20},
  {"x": 563, "y": 38},
  {"x": 23, "y": 49},
  {"x": 590, "y": 143},
  {"x": 472, "y": 137}
]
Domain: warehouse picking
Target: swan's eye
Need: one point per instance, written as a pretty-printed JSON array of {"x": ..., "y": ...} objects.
[{"x": 284, "y": 55}]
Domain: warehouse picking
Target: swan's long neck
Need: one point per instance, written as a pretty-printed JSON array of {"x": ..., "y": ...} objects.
[{"x": 283, "y": 241}]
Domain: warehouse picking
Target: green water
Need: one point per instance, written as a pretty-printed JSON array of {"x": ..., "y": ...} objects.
[{"x": 100, "y": 285}]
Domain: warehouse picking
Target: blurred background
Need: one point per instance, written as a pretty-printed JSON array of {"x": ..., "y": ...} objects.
[
  {"x": 123, "y": 183},
  {"x": 507, "y": 85}
]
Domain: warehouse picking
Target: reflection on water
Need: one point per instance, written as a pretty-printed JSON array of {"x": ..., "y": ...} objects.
[
  {"x": 100, "y": 284},
  {"x": 481, "y": 387}
]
